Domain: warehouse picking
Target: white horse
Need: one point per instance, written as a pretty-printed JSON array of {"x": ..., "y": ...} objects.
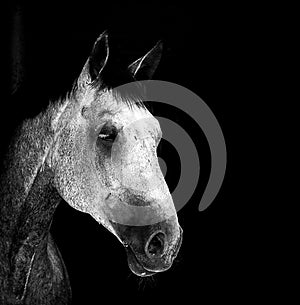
[{"x": 96, "y": 149}]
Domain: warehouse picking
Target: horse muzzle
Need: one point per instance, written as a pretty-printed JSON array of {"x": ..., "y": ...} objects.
[
  {"x": 150, "y": 249},
  {"x": 160, "y": 260}
]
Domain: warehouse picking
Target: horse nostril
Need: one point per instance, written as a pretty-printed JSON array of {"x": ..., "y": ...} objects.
[{"x": 155, "y": 245}]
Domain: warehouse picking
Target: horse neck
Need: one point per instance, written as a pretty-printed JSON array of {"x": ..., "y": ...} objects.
[{"x": 28, "y": 198}]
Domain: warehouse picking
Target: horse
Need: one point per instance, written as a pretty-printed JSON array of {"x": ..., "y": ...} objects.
[{"x": 95, "y": 149}]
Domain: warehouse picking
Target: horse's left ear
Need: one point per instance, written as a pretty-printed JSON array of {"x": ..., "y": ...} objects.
[
  {"x": 99, "y": 56},
  {"x": 144, "y": 67},
  {"x": 96, "y": 61}
]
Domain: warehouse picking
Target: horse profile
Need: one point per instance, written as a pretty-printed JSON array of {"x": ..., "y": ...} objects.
[{"x": 88, "y": 150}]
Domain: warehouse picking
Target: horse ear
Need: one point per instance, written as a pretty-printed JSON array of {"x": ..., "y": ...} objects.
[
  {"x": 96, "y": 61},
  {"x": 144, "y": 67},
  {"x": 99, "y": 56}
]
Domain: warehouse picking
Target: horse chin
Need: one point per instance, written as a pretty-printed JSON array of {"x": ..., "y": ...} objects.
[{"x": 135, "y": 266}]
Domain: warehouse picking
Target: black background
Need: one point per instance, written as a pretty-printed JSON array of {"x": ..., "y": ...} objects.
[{"x": 206, "y": 49}]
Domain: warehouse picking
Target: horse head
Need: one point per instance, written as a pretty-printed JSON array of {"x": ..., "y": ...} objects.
[{"x": 105, "y": 163}]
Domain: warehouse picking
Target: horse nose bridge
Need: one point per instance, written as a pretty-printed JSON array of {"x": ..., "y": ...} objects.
[
  {"x": 137, "y": 199},
  {"x": 148, "y": 181},
  {"x": 150, "y": 194},
  {"x": 140, "y": 166},
  {"x": 140, "y": 198}
]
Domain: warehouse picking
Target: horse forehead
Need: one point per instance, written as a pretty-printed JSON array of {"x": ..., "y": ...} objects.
[{"x": 136, "y": 118}]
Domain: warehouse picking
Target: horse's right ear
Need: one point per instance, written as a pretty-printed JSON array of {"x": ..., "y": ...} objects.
[{"x": 96, "y": 61}]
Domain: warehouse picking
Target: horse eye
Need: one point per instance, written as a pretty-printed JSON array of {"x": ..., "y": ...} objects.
[{"x": 108, "y": 133}]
